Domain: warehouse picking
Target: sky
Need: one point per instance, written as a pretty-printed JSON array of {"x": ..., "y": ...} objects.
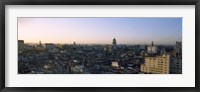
[{"x": 127, "y": 30}]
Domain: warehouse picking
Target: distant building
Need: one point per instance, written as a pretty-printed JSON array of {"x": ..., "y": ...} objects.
[
  {"x": 50, "y": 46},
  {"x": 40, "y": 45},
  {"x": 177, "y": 52},
  {"x": 139, "y": 48},
  {"x": 152, "y": 49},
  {"x": 114, "y": 45},
  {"x": 114, "y": 42},
  {"x": 179, "y": 47},
  {"x": 156, "y": 64},
  {"x": 162, "y": 51},
  {"x": 60, "y": 46},
  {"x": 110, "y": 48},
  {"x": 115, "y": 64},
  {"x": 20, "y": 45},
  {"x": 77, "y": 69}
]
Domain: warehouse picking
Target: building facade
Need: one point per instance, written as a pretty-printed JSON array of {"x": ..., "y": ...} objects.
[
  {"x": 156, "y": 64},
  {"x": 175, "y": 66}
]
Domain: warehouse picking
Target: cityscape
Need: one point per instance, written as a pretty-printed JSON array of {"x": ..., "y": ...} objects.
[{"x": 91, "y": 52}]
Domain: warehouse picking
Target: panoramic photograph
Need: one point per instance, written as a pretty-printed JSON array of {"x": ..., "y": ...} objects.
[{"x": 99, "y": 45}]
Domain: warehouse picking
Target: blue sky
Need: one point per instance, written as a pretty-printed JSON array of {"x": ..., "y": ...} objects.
[{"x": 100, "y": 30}]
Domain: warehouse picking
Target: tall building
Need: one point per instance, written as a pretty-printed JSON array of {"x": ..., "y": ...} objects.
[
  {"x": 175, "y": 66},
  {"x": 152, "y": 49},
  {"x": 113, "y": 47},
  {"x": 114, "y": 42},
  {"x": 40, "y": 45},
  {"x": 20, "y": 45},
  {"x": 156, "y": 64},
  {"x": 178, "y": 49}
]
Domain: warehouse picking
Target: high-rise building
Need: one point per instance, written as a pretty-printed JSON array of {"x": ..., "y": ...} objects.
[
  {"x": 20, "y": 45},
  {"x": 113, "y": 47},
  {"x": 178, "y": 49},
  {"x": 152, "y": 49},
  {"x": 156, "y": 64},
  {"x": 175, "y": 66}
]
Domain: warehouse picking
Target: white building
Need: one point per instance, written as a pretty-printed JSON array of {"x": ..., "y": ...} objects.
[
  {"x": 152, "y": 49},
  {"x": 115, "y": 64}
]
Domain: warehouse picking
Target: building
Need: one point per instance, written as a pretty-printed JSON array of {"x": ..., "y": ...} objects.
[
  {"x": 40, "y": 45},
  {"x": 179, "y": 47},
  {"x": 77, "y": 69},
  {"x": 139, "y": 48},
  {"x": 114, "y": 42},
  {"x": 74, "y": 43},
  {"x": 115, "y": 64},
  {"x": 178, "y": 50},
  {"x": 152, "y": 49},
  {"x": 50, "y": 46},
  {"x": 60, "y": 46},
  {"x": 156, "y": 64},
  {"x": 175, "y": 66},
  {"x": 20, "y": 45}
]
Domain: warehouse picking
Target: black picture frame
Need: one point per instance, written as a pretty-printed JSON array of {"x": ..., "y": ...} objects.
[{"x": 3, "y": 3}]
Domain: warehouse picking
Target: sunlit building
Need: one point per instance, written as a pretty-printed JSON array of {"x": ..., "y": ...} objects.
[
  {"x": 156, "y": 64},
  {"x": 115, "y": 64}
]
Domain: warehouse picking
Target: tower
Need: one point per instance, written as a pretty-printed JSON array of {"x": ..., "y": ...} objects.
[
  {"x": 152, "y": 44},
  {"x": 40, "y": 43},
  {"x": 152, "y": 49},
  {"x": 114, "y": 42}
]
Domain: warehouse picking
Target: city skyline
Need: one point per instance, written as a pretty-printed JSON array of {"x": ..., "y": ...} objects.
[{"x": 100, "y": 30}]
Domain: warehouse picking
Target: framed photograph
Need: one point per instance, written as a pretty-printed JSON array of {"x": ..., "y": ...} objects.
[{"x": 107, "y": 45}]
